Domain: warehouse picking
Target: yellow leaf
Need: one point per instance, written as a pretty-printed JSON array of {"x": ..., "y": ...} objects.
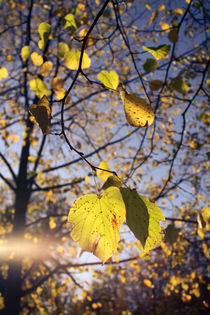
[
  {"x": 52, "y": 223},
  {"x": 60, "y": 94},
  {"x": 36, "y": 59},
  {"x": 161, "y": 7},
  {"x": 138, "y": 112},
  {"x": 103, "y": 175},
  {"x": 57, "y": 83},
  {"x": 164, "y": 26},
  {"x": 178, "y": 11},
  {"x": 109, "y": 78},
  {"x": 25, "y": 52},
  {"x": 45, "y": 68},
  {"x": 153, "y": 17},
  {"x": 3, "y": 73},
  {"x": 62, "y": 49},
  {"x": 42, "y": 114},
  {"x": 148, "y": 283},
  {"x": 72, "y": 59},
  {"x": 39, "y": 87}
]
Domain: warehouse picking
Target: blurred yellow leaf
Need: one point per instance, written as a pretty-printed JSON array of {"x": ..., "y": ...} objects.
[
  {"x": 39, "y": 87},
  {"x": 103, "y": 175},
  {"x": 25, "y": 52},
  {"x": 3, "y": 73},
  {"x": 45, "y": 68},
  {"x": 36, "y": 59}
]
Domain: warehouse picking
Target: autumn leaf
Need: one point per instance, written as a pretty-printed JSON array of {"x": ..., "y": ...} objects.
[
  {"x": 39, "y": 87},
  {"x": 42, "y": 114},
  {"x": 143, "y": 218},
  {"x": 138, "y": 112},
  {"x": 96, "y": 222},
  {"x": 44, "y": 32},
  {"x": 3, "y": 73},
  {"x": 180, "y": 85},
  {"x": 150, "y": 65},
  {"x": 109, "y": 78},
  {"x": 173, "y": 36},
  {"x": 159, "y": 52},
  {"x": 36, "y": 59},
  {"x": 62, "y": 49},
  {"x": 155, "y": 85},
  {"x": 45, "y": 68},
  {"x": 25, "y": 52},
  {"x": 103, "y": 175},
  {"x": 70, "y": 23},
  {"x": 171, "y": 234},
  {"x": 72, "y": 59}
]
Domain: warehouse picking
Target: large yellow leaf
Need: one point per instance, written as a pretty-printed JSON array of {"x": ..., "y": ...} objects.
[
  {"x": 138, "y": 112},
  {"x": 72, "y": 59},
  {"x": 96, "y": 222},
  {"x": 42, "y": 114}
]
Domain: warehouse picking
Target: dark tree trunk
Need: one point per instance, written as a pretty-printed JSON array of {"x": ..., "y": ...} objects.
[{"x": 13, "y": 283}]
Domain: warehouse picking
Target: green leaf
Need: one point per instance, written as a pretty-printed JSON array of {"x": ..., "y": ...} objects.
[
  {"x": 155, "y": 85},
  {"x": 159, "y": 52},
  {"x": 70, "y": 23},
  {"x": 180, "y": 85},
  {"x": 171, "y": 234},
  {"x": 44, "y": 32},
  {"x": 72, "y": 58},
  {"x": 208, "y": 155},
  {"x": 143, "y": 218},
  {"x": 25, "y": 52},
  {"x": 150, "y": 65},
  {"x": 96, "y": 222},
  {"x": 62, "y": 49},
  {"x": 109, "y": 78},
  {"x": 39, "y": 88}
]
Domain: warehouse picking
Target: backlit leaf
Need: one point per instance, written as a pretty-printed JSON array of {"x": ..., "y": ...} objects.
[
  {"x": 153, "y": 17},
  {"x": 25, "y": 52},
  {"x": 36, "y": 59},
  {"x": 44, "y": 32},
  {"x": 164, "y": 26},
  {"x": 62, "y": 49},
  {"x": 96, "y": 222},
  {"x": 150, "y": 65},
  {"x": 109, "y": 78},
  {"x": 180, "y": 85},
  {"x": 143, "y": 218},
  {"x": 45, "y": 68},
  {"x": 138, "y": 112},
  {"x": 159, "y": 52},
  {"x": 70, "y": 23},
  {"x": 42, "y": 114},
  {"x": 39, "y": 87},
  {"x": 204, "y": 219},
  {"x": 3, "y": 73},
  {"x": 72, "y": 59},
  {"x": 103, "y": 175}
]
